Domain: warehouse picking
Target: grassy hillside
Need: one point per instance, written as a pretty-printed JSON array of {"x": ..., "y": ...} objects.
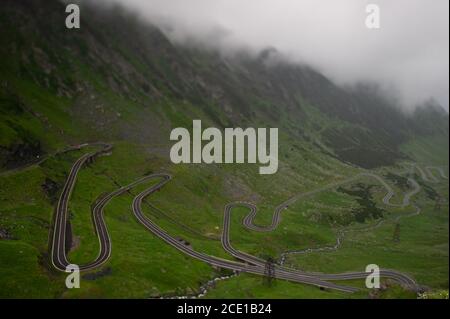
[{"x": 117, "y": 80}]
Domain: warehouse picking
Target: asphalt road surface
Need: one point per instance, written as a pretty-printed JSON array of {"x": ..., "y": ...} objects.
[{"x": 247, "y": 263}]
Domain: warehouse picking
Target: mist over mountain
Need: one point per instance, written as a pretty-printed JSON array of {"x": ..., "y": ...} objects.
[
  {"x": 407, "y": 57},
  {"x": 122, "y": 78},
  {"x": 86, "y": 117}
]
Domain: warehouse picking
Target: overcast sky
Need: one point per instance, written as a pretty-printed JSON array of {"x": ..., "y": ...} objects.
[{"x": 409, "y": 54}]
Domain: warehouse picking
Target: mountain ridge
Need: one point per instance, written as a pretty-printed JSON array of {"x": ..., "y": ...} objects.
[{"x": 114, "y": 57}]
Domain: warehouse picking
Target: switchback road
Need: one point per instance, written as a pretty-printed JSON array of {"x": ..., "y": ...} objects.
[{"x": 248, "y": 263}]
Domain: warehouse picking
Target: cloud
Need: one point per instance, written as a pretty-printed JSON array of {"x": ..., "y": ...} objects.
[{"x": 409, "y": 54}]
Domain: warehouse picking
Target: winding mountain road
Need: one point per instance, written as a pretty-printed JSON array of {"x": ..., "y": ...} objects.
[
  {"x": 58, "y": 246},
  {"x": 416, "y": 188},
  {"x": 248, "y": 222},
  {"x": 248, "y": 263},
  {"x": 218, "y": 262}
]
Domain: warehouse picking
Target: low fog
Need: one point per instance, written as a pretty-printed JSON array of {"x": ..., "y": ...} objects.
[{"x": 408, "y": 55}]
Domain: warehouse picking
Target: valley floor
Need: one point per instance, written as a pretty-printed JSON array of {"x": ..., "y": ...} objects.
[{"x": 337, "y": 223}]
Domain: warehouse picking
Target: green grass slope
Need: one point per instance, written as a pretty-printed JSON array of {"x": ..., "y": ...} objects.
[{"x": 116, "y": 80}]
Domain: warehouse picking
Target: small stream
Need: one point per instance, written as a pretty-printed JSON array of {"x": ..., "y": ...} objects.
[{"x": 203, "y": 290}]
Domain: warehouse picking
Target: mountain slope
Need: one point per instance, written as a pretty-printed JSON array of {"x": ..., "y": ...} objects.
[
  {"x": 113, "y": 70},
  {"x": 122, "y": 81}
]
